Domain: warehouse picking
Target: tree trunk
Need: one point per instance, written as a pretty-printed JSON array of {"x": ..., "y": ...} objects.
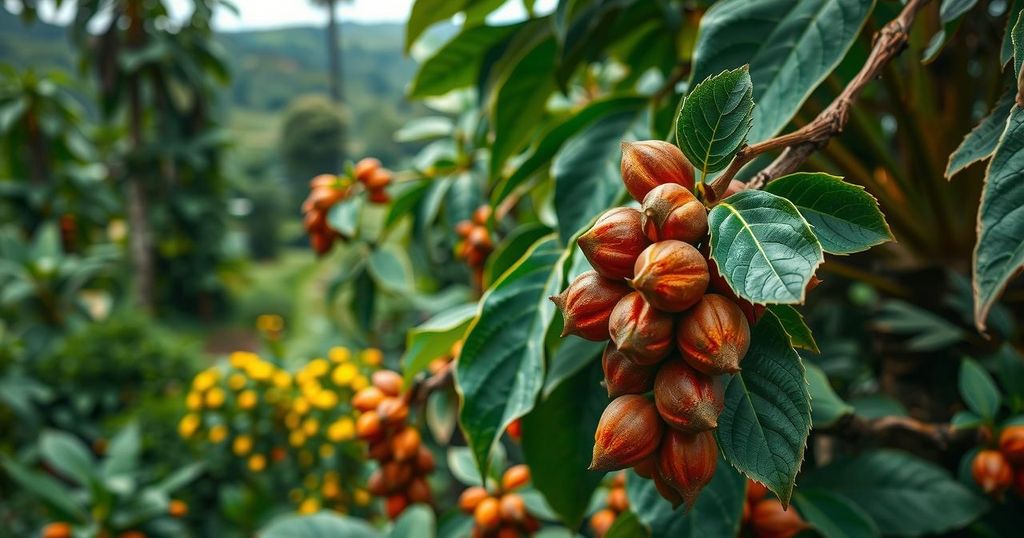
[
  {"x": 140, "y": 237},
  {"x": 333, "y": 52}
]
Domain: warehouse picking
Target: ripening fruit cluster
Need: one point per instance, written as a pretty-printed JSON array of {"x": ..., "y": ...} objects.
[
  {"x": 995, "y": 470},
  {"x": 438, "y": 364},
  {"x": 500, "y": 512},
  {"x": 674, "y": 329},
  {"x": 475, "y": 244},
  {"x": 326, "y": 190},
  {"x": 403, "y": 460},
  {"x": 766, "y": 517},
  {"x": 616, "y": 503}
]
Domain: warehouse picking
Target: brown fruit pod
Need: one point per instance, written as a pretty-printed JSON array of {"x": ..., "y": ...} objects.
[
  {"x": 755, "y": 491},
  {"x": 487, "y": 514},
  {"x": 379, "y": 450},
  {"x": 666, "y": 490},
  {"x": 405, "y": 444},
  {"x": 379, "y": 179},
  {"x": 512, "y": 508},
  {"x": 515, "y": 477},
  {"x": 713, "y": 337},
  {"x": 640, "y": 331},
  {"x": 718, "y": 284},
  {"x": 770, "y": 519},
  {"x": 688, "y": 400},
  {"x": 602, "y": 521},
  {"x": 367, "y": 399},
  {"x": 419, "y": 490},
  {"x": 649, "y": 163},
  {"x": 618, "y": 500},
  {"x": 1011, "y": 444},
  {"x": 614, "y": 242},
  {"x": 623, "y": 375},
  {"x": 587, "y": 304},
  {"x": 395, "y": 505},
  {"x": 471, "y": 497},
  {"x": 671, "y": 275},
  {"x": 396, "y": 475},
  {"x": 482, "y": 214},
  {"x": 991, "y": 471},
  {"x": 389, "y": 383},
  {"x": 629, "y": 431},
  {"x": 368, "y": 426},
  {"x": 392, "y": 411},
  {"x": 366, "y": 168},
  {"x": 648, "y": 467},
  {"x": 376, "y": 485},
  {"x": 424, "y": 460},
  {"x": 687, "y": 461},
  {"x": 673, "y": 212}
]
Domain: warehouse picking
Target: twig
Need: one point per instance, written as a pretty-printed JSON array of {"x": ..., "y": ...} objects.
[
  {"x": 425, "y": 385},
  {"x": 941, "y": 434},
  {"x": 799, "y": 145}
]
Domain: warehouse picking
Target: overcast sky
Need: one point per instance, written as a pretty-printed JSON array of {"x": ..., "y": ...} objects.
[{"x": 275, "y": 13}]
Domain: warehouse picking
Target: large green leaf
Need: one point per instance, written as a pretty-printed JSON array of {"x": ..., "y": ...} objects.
[
  {"x": 950, "y": 14},
  {"x": 793, "y": 323},
  {"x": 904, "y": 495},
  {"x": 511, "y": 249},
  {"x": 826, "y": 406},
  {"x": 573, "y": 354},
  {"x": 425, "y": 13},
  {"x": 790, "y": 47},
  {"x": 982, "y": 140},
  {"x": 455, "y": 65},
  {"x": 586, "y": 172},
  {"x": 122, "y": 455},
  {"x": 69, "y": 456},
  {"x": 999, "y": 253},
  {"x": 391, "y": 269},
  {"x": 519, "y": 106},
  {"x": 45, "y": 487},
  {"x": 715, "y": 118},
  {"x": 716, "y": 514},
  {"x": 846, "y": 219},
  {"x": 558, "y": 439},
  {"x": 978, "y": 389},
  {"x": 834, "y": 516},
  {"x": 320, "y": 525},
  {"x": 767, "y": 417},
  {"x": 416, "y": 521},
  {"x": 501, "y": 369},
  {"x": 763, "y": 247},
  {"x": 435, "y": 338},
  {"x": 1006, "y": 51}
]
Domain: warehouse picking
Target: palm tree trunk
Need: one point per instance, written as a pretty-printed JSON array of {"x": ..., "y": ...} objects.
[{"x": 333, "y": 52}]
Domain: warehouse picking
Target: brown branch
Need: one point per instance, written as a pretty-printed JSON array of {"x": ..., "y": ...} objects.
[
  {"x": 941, "y": 434},
  {"x": 888, "y": 43},
  {"x": 426, "y": 385}
]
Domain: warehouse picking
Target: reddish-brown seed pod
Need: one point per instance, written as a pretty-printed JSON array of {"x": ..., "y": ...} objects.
[
  {"x": 395, "y": 505},
  {"x": 991, "y": 471},
  {"x": 587, "y": 304},
  {"x": 718, "y": 284},
  {"x": 471, "y": 497},
  {"x": 512, "y": 508},
  {"x": 687, "y": 462},
  {"x": 623, "y": 375},
  {"x": 628, "y": 432},
  {"x": 368, "y": 426},
  {"x": 648, "y": 467},
  {"x": 666, "y": 490},
  {"x": 515, "y": 429},
  {"x": 487, "y": 514},
  {"x": 419, "y": 490},
  {"x": 601, "y": 521},
  {"x": 614, "y": 242},
  {"x": 482, "y": 214},
  {"x": 378, "y": 196},
  {"x": 515, "y": 477},
  {"x": 367, "y": 399},
  {"x": 640, "y": 331},
  {"x": 57, "y": 529},
  {"x": 671, "y": 275},
  {"x": 424, "y": 460},
  {"x": 377, "y": 180},
  {"x": 405, "y": 444},
  {"x": 770, "y": 520},
  {"x": 390, "y": 383},
  {"x": 1011, "y": 444},
  {"x": 376, "y": 485},
  {"x": 396, "y": 475},
  {"x": 714, "y": 336},
  {"x": 379, "y": 449},
  {"x": 673, "y": 212},
  {"x": 464, "y": 227},
  {"x": 755, "y": 491},
  {"x": 649, "y": 163},
  {"x": 688, "y": 400},
  {"x": 365, "y": 168},
  {"x": 508, "y": 531},
  {"x": 392, "y": 411},
  {"x": 618, "y": 500}
]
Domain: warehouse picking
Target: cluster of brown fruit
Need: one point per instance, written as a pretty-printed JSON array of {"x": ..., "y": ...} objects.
[
  {"x": 766, "y": 517},
  {"x": 616, "y": 503},
  {"x": 438, "y": 364},
  {"x": 328, "y": 189},
  {"x": 476, "y": 242},
  {"x": 674, "y": 329},
  {"x": 501, "y": 513},
  {"x": 404, "y": 461},
  {"x": 995, "y": 470}
]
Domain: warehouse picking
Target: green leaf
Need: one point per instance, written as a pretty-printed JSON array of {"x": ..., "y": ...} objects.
[
  {"x": 441, "y": 415},
  {"x": 417, "y": 521},
  {"x": 790, "y": 47},
  {"x": 511, "y": 249},
  {"x": 793, "y": 323},
  {"x": 978, "y": 389},
  {"x": 903, "y": 494},
  {"x": 846, "y": 219},
  {"x": 406, "y": 202},
  {"x": 425, "y": 13},
  {"x": 763, "y": 247},
  {"x": 558, "y": 439},
  {"x": 834, "y": 516},
  {"x": 950, "y": 14},
  {"x": 552, "y": 140},
  {"x": 519, "y": 106},
  {"x": 324, "y": 524},
  {"x": 47, "y": 489},
  {"x": 767, "y": 417},
  {"x": 425, "y": 128},
  {"x": 501, "y": 368},
  {"x": 717, "y": 512},
  {"x": 456, "y": 64},
  {"x": 343, "y": 216},
  {"x": 999, "y": 253},
  {"x": 391, "y": 269},
  {"x": 572, "y": 355},
  {"x": 627, "y": 525},
  {"x": 715, "y": 118},
  {"x": 923, "y": 330},
  {"x": 587, "y": 172},
  {"x": 69, "y": 456},
  {"x": 1017, "y": 40},
  {"x": 965, "y": 420},
  {"x": 434, "y": 338},
  {"x": 826, "y": 406},
  {"x": 981, "y": 141},
  {"x": 180, "y": 478},
  {"x": 1006, "y": 52},
  {"x": 463, "y": 467},
  {"x": 123, "y": 453}
]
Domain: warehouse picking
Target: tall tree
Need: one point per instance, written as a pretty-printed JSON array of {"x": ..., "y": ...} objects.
[{"x": 333, "y": 49}]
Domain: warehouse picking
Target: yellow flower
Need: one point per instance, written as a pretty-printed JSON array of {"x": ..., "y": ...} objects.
[
  {"x": 311, "y": 426},
  {"x": 317, "y": 367},
  {"x": 282, "y": 379},
  {"x": 360, "y": 383},
  {"x": 311, "y": 481},
  {"x": 344, "y": 374},
  {"x": 341, "y": 430},
  {"x": 204, "y": 380},
  {"x": 330, "y": 490},
  {"x": 269, "y": 323},
  {"x": 236, "y": 381},
  {"x": 310, "y": 389},
  {"x": 241, "y": 359},
  {"x": 257, "y": 462},
  {"x": 241, "y": 445},
  {"x": 309, "y": 506},
  {"x": 372, "y": 356},
  {"x": 300, "y": 405},
  {"x": 188, "y": 425},
  {"x": 218, "y": 433},
  {"x": 261, "y": 370},
  {"x": 215, "y": 398},
  {"x": 339, "y": 354},
  {"x": 194, "y": 401},
  {"x": 296, "y": 438},
  {"x": 247, "y": 399},
  {"x": 326, "y": 399},
  {"x": 292, "y": 421},
  {"x": 326, "y": 451},
  {"x": 362, "y": 497}
]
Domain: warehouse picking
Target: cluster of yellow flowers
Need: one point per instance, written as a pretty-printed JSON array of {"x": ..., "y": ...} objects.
[{"x": 259, "y": 413}]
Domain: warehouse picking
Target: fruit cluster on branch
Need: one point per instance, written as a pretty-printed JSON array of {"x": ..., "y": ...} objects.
[
  {"x": 327, "y": 190},
  {"x": 996, "y": 469},
  {"x": 475, "y": 244},
  {"x": 500, "y": 512},
  {"x": 766, "y": 517},
  {"x": 616, "y": 503}
]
